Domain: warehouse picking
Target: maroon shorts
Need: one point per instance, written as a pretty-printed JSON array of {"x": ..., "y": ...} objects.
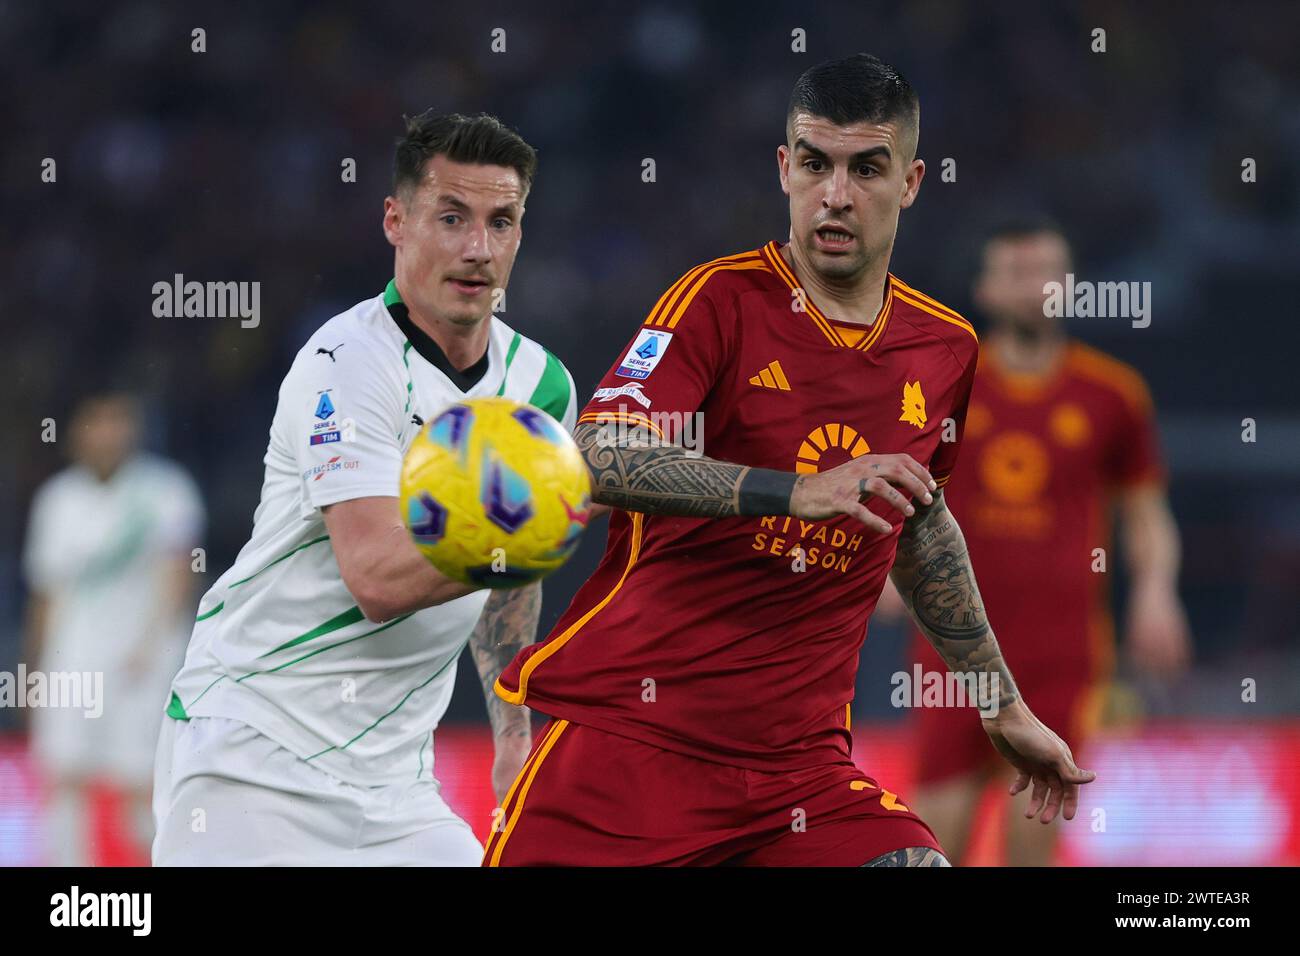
[{"x": 590, "y": 798}]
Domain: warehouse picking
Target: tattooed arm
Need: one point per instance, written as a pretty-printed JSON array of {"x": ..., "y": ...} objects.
[
  {"x": 507, "y": 624},
  {"x": 636, "y": 472},
  {"x": 932, "y": 572},
  {"x": 933, "y": 576}
]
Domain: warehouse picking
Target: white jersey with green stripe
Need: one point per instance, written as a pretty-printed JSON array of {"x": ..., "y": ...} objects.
[{"x": 279, "y": 642}]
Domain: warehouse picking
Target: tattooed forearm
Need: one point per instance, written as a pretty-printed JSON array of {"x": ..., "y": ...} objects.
[
  {"x": 933, "y": 575},
  {"x": 508, "y": 623},
  {"x": 636, "y": 473}
]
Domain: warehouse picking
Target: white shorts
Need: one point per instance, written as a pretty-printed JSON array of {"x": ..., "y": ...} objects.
[
  {"x": 224, "y": 795},
  {"x": 119, "y": 745}
]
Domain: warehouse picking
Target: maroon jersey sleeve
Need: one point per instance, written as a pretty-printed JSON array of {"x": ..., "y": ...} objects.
[
  {"x": 669, "y": 367},
  {"x": 1134, "y": 454},
  {"x": 945, "y": 456}
]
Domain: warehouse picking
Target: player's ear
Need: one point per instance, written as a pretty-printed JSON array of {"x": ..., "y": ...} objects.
[
  {"x": 912, "y": 182},
  {"x": 393, "y": 214},
  {"x": 783, "y": 167}
]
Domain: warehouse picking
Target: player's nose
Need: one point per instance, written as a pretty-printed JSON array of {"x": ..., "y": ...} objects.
[
  {"x": 477, "y": 248},
  {"x": 836, "y": 196}
]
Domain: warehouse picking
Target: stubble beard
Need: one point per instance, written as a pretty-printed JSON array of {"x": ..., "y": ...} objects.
[{"x": 839, "y": 270}]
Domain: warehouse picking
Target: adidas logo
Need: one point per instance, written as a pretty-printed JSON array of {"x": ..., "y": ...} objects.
[{"x": 771, "y": 377}]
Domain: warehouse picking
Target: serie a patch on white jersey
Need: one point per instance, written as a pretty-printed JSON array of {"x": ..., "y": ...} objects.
[
  {"x": 645, "y": 353},
  {"x": 325, "y": 424}
]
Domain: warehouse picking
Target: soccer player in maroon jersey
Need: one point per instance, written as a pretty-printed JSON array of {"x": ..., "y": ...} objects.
[
  {"x": 1055, "y": 433},
  {"x": 699, "y": 683}
]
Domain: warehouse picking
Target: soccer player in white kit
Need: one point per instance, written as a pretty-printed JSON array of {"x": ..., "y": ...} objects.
[
  {"x": 109, "y": 564},
  {"x": 300, "y": 728}
]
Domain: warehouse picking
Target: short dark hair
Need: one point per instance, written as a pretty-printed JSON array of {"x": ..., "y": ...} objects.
[
  {"x": 856, "y": 89},
  {"x": 1023, "y": 226},
  {"x": 481, "y": 139}
]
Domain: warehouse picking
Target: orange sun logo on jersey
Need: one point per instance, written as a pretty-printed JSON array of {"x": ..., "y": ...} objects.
[
  {"x": 1069, "y": 425},
  {"x": 824, "y": 439},
  {"x": 913, "y": 404}
]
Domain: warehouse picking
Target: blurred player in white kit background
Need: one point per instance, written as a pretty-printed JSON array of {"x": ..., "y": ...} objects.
[{"x": 110, "y": 566}]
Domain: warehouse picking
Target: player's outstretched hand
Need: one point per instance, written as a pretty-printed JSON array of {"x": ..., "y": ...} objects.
[
  {"x": 895, "y": 479},
  {"x": 1042, "y": 758}
]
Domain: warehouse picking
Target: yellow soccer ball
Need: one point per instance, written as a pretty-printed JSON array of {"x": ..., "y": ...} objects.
[{"x": 495, "y": 492}]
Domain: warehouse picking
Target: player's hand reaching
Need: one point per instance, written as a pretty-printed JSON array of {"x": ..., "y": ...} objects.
[
  {"x": 1158, "y": 638},
  {"x": 894, "y": 479},
  {"x": 1042, "y": 758}
]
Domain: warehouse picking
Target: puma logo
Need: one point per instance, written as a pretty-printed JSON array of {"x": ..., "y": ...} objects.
[{"x": 330, "y": 352}]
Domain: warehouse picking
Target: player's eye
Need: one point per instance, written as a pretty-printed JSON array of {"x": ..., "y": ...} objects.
[
  {"x": 866, "y": 169},
  {"x": 450, "y": 218},
  {"x": 813, "y": 165},
  {"x": 501, "y": 223}
]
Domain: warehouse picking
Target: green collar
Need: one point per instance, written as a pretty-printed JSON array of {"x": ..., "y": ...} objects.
[
  {"x": 428, "y": 348},
  {"x": 391, "y": 295}
]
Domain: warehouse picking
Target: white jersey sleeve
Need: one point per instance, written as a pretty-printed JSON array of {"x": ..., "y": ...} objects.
[
  {"x": 553, "y": 390},
  {"x": 342, "y": 416},
  {"x": 570, "y": 418},
  {"x": 43, "y": 559},
  {"x": 181, "y": 516}
]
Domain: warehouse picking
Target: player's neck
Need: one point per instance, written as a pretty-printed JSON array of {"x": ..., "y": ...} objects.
[
  {"x": 464, "y": 345},
  {"x": 104, "y": 473},
  {"x": 857, "y": 302},
  {"x": 1027, "y": 353}
]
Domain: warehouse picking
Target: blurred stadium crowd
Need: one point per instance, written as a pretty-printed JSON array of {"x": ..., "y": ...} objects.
[{"x": 225, "y": 165}]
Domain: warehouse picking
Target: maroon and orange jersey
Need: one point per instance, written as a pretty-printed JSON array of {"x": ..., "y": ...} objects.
[
  {"x": 699, "y": 635},
  {"x": 1043, "y": 455}
]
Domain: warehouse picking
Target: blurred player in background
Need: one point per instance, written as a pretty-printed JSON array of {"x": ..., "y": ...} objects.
[
  {"x": 109, "y": 567},
  {"x": 1056, "y": 434},
  {"x": 301, "y": 725}
]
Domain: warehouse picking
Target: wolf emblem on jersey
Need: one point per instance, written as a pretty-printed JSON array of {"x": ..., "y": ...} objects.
[{"x": 913, "y": 404}]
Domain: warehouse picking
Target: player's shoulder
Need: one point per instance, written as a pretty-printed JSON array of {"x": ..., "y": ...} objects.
[
  {"x": 355, "y": 341},
  {"x": 160, "y": 473},
  {"x": 1093, "y": 366},
  {"x": 929, "y": 315},
  {"x": 533, "y": 373},
  {"x": 68, "y": 480},
  {"x": 518, "y": 347},
  {"x": 717, "y": 281}
]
